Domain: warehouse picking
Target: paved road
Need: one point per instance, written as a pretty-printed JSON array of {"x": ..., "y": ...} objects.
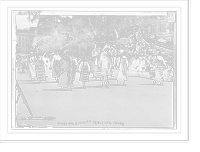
[{"x": 139, "y": 104}]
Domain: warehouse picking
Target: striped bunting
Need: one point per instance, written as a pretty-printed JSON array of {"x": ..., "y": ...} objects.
[
  {"x": 150, "y": 38},
  {"x": 147, "y": 36}
]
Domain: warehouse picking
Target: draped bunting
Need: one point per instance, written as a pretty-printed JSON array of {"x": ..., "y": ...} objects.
[
  {"x": 141, "y": 34},
  {"x": 147, "y": 36}
]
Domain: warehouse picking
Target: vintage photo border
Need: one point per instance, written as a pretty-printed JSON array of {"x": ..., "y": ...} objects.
[
  {"x": 179, "y": 94},
  {"x": 13, "y": 78}
]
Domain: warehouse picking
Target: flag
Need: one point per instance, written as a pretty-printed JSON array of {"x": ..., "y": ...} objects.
[{"x": 116, "y": 35}]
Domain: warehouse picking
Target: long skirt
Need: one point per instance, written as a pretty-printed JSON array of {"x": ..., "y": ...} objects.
[
  {"x": 105, "y": 72},
  {"x": 47, "y": 70},
  {"x": 64, "y": 80},
  {"x": 98, "y": 73},
  {"x": 32, "y": 71},
  {"x": 115, "y": 73},
  {"x": 40, "y": 72},
  {"x": 56, "y": 69},
  {"x": 122, "y": 74},
  {"x": 84, "y": 77},
  {"x": 158, "y": 76}
]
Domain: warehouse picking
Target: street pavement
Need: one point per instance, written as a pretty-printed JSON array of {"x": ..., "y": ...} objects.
[{"x": 139, "y": 104}]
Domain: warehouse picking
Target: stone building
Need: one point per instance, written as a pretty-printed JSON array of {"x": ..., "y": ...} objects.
[
  {"x": 160, "y": 27},
  {"x": 24, "y": 40}
]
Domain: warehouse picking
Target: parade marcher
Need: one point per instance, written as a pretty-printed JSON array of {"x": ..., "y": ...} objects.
[
  {"x": 115, "y": 68},
  {"x": 73, "y": 70},
  {"x": 123, "y": 71},
  {"x": 46, "y": 64},
  {"x": 84, "y": 73},
  {"x": 149, "y": 70},
  {"x": 134, "y": 66},
  {"x": 142, "y": 66},
  {"x": 65, "y": 77},
  {"x": 32, "y": 62},
  {"x": 97, "y": 71},
  {"x": 56, "y": 66},
  {"x": 105, "y": 64},
  {"x": 40, "y": 69},
  {"x": 159, "y": 68}
]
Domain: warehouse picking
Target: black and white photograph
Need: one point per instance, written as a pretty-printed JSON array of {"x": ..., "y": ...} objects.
[{"x": 92, "y": 71}]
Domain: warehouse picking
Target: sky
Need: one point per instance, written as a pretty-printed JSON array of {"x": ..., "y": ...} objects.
[{"x": 23, "y": 23}]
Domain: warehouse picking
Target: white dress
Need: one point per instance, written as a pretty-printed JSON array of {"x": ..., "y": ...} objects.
[
  {"x": 32, "y": 67},
  {"x": 47, "y": 65}
]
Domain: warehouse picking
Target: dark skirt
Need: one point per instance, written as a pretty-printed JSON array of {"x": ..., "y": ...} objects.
[
  {"x": 159, "y": 73},
  {"x": 65, "y": 80},
  {"x": 40, "y": 73},
  {"x": 56, "y": 69},
  {"x": 84, "y": 74}
]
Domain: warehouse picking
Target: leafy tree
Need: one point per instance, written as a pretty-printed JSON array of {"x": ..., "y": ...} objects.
[
  {"x": 51, "y": 32},
  {"x": 55, "y": 32},
  {"x": 84, "y": 29}
]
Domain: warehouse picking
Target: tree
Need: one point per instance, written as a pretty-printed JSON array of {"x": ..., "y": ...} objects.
[
  {"x": 84, "y": 29},
  {"x": 56, "y": 32},
  {"x": 51, "y": 32}
]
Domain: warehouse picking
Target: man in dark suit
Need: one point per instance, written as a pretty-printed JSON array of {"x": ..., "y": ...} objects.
[{"x": 105, "y": 62}]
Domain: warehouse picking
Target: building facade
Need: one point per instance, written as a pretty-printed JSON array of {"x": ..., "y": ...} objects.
[
  {"x": 156, "y": 24},
  {"x": 162, "y": 28},
  {"x": 24, "y": 40}
]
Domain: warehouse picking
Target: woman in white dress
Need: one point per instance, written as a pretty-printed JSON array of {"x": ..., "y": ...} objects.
[
  {"x": 47, "y": 64},
  {"x": 32, "y": 61},
  {"x": 56, "y": 67},
  {"x": 123, "y": 71},
  {"x": 159, "y": 68}
]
